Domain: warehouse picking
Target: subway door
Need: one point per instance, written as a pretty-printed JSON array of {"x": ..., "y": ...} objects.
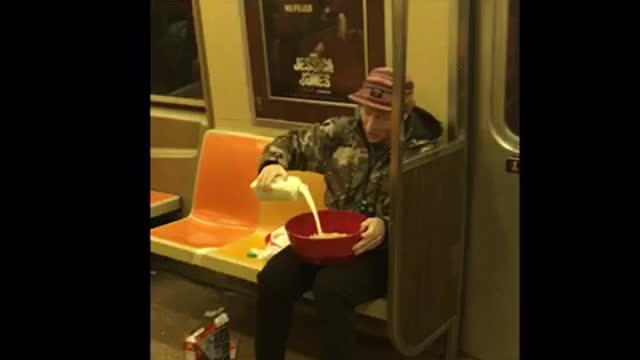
[{"x": 490, "y": 327}]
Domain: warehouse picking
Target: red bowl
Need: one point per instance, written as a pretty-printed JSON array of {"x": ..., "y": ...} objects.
[{"x": 325, "y": 251}]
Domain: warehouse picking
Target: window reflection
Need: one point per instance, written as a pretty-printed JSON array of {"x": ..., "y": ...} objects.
[{"x": 175, "y": 68}]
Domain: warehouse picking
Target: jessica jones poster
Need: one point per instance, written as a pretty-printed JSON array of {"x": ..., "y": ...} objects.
[{"x": 314, "y": 48}]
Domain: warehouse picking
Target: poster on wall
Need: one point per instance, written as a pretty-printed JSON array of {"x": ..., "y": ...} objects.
[{"x": 314, "y": 49}]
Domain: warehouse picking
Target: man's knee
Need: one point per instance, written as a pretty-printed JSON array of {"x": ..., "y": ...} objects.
[
  {"x": 279, "y": 273},
  {"x": 327, "y": 286},
  {"x": 349, "y": 285},
  {"x": 269, "y": 278}
]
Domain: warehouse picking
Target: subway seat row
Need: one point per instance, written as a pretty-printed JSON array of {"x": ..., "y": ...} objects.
[{"x": 226, "y": 220}]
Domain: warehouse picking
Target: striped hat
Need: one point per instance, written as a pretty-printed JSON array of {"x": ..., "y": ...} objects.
[{"x": 377, "y": 90}]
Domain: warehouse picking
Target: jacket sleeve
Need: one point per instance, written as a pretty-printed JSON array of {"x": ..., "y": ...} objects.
[{"x": 305, "y": 149}]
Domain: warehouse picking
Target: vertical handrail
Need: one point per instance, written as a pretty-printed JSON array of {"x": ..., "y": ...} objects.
[
  {"x": 458, "y": 58},
  {"x": 399, "y": 25}
]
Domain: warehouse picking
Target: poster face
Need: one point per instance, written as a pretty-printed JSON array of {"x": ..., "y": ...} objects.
[{"x": 314, "y": 49}]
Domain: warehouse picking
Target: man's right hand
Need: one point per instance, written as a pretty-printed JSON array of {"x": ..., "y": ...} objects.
[{"x": 269, "y": 174}]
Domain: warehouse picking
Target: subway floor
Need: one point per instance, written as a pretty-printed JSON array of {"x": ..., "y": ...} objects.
[{"x": 178, "y": 305}]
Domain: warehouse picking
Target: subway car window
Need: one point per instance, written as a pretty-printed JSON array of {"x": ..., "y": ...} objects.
[
  {"x": 175, "y": 67},
  {"x": 512, "y": 96}
]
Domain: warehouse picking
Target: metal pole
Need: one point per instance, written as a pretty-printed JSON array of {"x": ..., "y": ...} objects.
[
  {"x": 399, "y": 16},
  {"x": 458, "y": 57}
]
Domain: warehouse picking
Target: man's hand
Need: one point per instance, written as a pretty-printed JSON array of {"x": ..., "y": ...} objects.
[
  {"x": 269, "y": 174},
  {"x": 372, "y": 235}
]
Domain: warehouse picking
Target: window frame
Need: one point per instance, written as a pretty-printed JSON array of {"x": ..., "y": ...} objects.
[
  {"x": 203, "y": 105},
  {"x": 498, "y": 122}
]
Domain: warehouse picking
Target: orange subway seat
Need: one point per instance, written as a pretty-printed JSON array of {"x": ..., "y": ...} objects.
[
  {"x": 163, "y": 203},
  {"x": 229, "y": 163},
  {"x": 201, "y": 234},
  {"x": 224, "y": 207},
  {"x": 159, "y": 197}
]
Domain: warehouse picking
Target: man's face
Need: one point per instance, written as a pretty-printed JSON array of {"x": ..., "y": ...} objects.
[{"x": 376, "y": 123}]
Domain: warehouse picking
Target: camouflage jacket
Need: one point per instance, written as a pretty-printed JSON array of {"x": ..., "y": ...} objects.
[{"x": 356, "y": 172}]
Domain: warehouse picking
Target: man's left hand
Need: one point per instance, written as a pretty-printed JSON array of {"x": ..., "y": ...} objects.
[{"x": 372, "y": 235}]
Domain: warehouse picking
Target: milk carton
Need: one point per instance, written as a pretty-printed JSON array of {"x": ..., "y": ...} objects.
[{"x": 281, "y": 190}]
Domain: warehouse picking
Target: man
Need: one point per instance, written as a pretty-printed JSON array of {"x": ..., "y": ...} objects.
[{"x": 353, "y": 155}]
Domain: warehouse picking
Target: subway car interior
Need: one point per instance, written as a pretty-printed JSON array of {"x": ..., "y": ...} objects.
[{"x": 243, "y": 87}]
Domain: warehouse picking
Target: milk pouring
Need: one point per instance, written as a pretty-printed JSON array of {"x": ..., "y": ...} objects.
[{"x": 288, "y": 190}]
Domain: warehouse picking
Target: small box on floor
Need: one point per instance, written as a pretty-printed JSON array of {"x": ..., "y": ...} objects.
[{"x": 210, "y": 342}]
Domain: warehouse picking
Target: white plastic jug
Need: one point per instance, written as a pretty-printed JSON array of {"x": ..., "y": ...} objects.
[{"x": 281, "y": 190}]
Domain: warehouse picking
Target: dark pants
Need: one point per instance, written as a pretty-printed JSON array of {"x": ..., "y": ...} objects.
[{"x": 337, "y": 290}]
